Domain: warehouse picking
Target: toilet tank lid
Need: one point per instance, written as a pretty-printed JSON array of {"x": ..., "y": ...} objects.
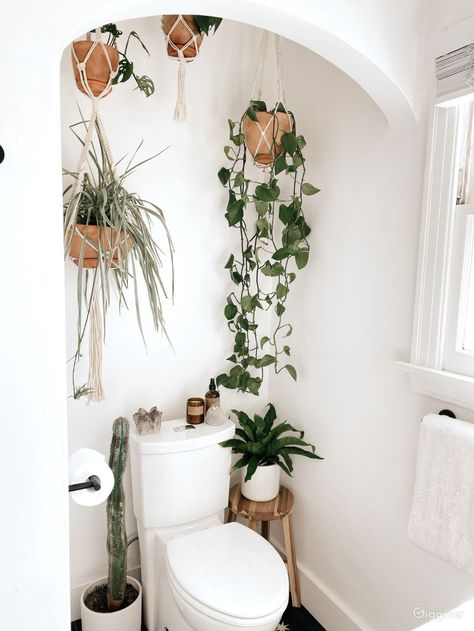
[{"x": 173, "y": 437}]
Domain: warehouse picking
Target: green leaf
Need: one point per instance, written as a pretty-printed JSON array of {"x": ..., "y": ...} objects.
[
  {"x": 279, "y": 309},
  {"x": 239, "y": 179},
  {"x": 252, "y": 467},
  {"x": 235, "y": 212},
  {"x": 309, "y": 189},
  {"x": 230, "y": 312},
  {"x": 246, "y": 303},
  {"x": 259, "y": 106},
  {"x": 251, "y": 113},
  {"x": 261, "y": 207},
  {"x": 301, "y": 258},
  {"x": 289, "y": 142},
  {"x": 286, "y": 350},
  {"x": 264, "y": 341},
  {"x": 301, "y": 452},
  {"x": 254, "y": 385},
  {"x": 266, "y": 360},
  {"x": 270, "y": 417},
  {"x": 281, "y": 291},
  {"x": 281, "y": 254},
  {"x": 243, "y": 462},
  {"x": 297, "y": 160},
  {"x": 264, "y": 193},
  {"x": 286, "y": 214},
  {"x": 292, "y": 370},
  {"x": 280, "y": 164},
  {"x": 224, "y": 176},
  {"x": 230, "y": 262},
  {"x": 301, "y": 142}
]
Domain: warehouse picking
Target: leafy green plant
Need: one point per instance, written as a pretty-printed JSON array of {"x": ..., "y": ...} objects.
[
  {"x": 126, "y": 67},
  {"x": 206, "y": 23},
  {"x": 102, "y": 200},
  {"x": 273, "y": 243},
  {"x": 260, "y": 443}
]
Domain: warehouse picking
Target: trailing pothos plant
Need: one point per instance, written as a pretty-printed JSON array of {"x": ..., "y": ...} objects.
[
  {"x": 126, "y": 68},
  {"x": 273, "y": 243}
]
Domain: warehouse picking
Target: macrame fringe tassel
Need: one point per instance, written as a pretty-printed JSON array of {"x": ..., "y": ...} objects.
[
  {"x": 180, "y": 110},
  {"x": 95, "y": 350}
]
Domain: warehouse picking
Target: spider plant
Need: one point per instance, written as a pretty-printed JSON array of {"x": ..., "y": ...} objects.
[{"x": 126, "y": 219}]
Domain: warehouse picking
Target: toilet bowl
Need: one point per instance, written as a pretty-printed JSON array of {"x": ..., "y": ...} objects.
[
  {"x": 198, "y": 574},
  {"x": 227, "y": 578}
]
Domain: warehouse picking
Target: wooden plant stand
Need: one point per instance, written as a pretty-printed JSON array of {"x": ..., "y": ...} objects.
[{"x": 279, "y": 508}]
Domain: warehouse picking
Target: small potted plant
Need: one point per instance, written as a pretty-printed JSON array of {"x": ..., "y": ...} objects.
[
  {"x": 185, "y": 32},
  {"x": 263, "y": 131},
  {"x": 264, "y": 450},
  {"x": 107, "y": 233},
  {"x": 114, "y": 602},
  {"x": 106, "y": 65}
]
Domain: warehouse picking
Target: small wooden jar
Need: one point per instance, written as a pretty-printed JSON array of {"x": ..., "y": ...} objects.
[{"x": 195, "y": 410}]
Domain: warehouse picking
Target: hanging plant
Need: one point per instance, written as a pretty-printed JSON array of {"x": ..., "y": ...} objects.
[
  {"x": 184, "y": 35},
  {"x": 107, "y": 232},
  {"x": 273, "y": 238},
  {"x": 99, "y": 64}
]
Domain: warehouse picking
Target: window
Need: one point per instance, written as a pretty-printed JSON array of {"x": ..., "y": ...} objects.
[{"x": 442, "y": 357}]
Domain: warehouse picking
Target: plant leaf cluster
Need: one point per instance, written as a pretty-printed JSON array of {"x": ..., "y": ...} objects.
[
  {"x": 103, "y": 200},
  {"x": 260, "y": 443},
  {"x": 273, "y": 243},
  {"x": 126, "y": 68},
  {"x": 207, "y": 23}
]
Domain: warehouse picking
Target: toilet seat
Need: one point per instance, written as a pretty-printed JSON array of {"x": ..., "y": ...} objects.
[{"x": 228, "y": 573}]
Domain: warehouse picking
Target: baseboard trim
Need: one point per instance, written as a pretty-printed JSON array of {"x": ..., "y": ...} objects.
[
  {"x": 76, "y": 591},
  {"x": 325, "y": 606}
]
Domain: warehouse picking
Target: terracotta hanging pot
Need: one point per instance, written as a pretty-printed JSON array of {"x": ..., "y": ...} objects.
[
  {"x": 181, "y": 36},
  {"x": 263, "y": 136},
  {"x": 108, "y": 241},
  {"x": 97, "y": 67}
]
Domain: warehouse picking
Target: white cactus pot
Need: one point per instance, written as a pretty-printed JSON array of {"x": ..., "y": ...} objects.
[
  {"x": 128, "y": 619},
  {"x": 263, "y": 486}
]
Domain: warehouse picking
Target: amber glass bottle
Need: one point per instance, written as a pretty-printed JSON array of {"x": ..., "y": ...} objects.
[{"x": 212, "y": 395}]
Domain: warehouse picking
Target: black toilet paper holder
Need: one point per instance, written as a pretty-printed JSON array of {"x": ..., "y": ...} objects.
[{"x": 92, "y": 482}]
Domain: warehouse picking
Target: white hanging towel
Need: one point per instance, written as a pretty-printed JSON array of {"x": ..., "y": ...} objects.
[{"x": 442, "y": 512}]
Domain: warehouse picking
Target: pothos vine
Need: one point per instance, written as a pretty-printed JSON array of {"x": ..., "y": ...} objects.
[{"x": 273, "y": 243}]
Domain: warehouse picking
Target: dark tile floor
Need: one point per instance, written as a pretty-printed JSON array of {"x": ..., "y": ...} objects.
[{"x": 293, "y": 620}]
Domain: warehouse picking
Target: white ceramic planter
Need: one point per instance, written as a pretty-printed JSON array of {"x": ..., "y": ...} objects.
[
  {"x": 128, "y": 619},
  {"x": 263, "y": 486}
]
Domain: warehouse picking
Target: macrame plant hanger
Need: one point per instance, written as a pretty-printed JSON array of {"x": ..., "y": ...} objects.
[
  {"x": 264, "y": 141},
  {"x": 95, "y": 317},
  {"x": 180, "y": 111}
]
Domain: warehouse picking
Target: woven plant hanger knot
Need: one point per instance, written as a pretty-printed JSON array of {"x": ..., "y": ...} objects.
[{"x": 180, "y": 112}]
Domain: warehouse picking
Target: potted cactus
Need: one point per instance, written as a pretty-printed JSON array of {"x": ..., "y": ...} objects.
[{"x": 114, "y": 602}]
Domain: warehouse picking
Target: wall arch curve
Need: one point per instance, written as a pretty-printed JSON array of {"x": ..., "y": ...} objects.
[{"x": 313, "y": 27}]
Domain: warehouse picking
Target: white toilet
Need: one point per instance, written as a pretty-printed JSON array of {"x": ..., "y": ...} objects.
[{"x": 197, "y": 573}]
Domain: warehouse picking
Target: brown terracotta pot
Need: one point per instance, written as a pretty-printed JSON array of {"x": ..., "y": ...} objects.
[
  {"x": 97, "y": 66},
  {"x": 180, "y": 35},
  {"x": 280, "y": 124},
  {"x": 108, "y": 239}
]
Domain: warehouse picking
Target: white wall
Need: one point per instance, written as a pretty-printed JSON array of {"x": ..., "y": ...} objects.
[{"x": 354, "y": 319}]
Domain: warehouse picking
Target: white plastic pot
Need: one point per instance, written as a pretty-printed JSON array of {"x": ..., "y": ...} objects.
[
  {"x": 128, "y": 619},
  {"x": 263, "y": 486}
]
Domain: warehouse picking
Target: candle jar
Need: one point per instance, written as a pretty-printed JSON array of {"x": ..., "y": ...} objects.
[{"x": 195, "y": 410}]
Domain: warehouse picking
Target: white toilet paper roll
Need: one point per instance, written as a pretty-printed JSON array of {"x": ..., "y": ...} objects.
[{"x": 84, "y": 463}]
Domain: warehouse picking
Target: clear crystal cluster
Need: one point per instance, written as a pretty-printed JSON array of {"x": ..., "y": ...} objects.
[{"x": 148, "y": 422}]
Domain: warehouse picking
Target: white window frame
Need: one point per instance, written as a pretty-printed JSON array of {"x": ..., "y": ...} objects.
[{"x": 435, "y": 289}]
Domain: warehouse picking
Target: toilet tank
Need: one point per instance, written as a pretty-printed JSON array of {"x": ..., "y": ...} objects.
[{"x": 179, "y": 475}]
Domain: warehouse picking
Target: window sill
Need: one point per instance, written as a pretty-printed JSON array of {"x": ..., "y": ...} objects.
[{"x": 440, "y": 384}]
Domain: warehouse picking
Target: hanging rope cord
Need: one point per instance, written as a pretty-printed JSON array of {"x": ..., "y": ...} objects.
[
  {"x": 180, "y": 111},
  {"x": 256, "y": 94},
  {"x": 95, "y": 387}
]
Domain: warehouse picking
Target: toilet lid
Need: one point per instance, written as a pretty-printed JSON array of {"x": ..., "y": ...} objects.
[{"x": 229, "y": 569}]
